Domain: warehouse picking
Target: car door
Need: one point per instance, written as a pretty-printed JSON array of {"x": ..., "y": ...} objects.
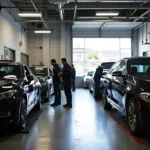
[
  {"x": 108, "y": 81},
  {"x": 31, "y": 87},
  {"x": 119, "y": 86}
]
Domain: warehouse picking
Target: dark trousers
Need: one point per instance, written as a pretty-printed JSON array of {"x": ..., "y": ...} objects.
[
  {"x": 97, "y": 88},
  {"x": 73, "y": 84},
  {"x": 67, "y": 89},
  {"x": 57, "y": 93}
]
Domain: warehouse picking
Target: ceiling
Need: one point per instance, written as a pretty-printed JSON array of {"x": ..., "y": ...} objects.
[{"x": 82, "y": 12}]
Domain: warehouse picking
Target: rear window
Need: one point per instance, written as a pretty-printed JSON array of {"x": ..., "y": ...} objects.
[
  {"x": 40, "y": 72},
  {"x": 108, "y": 65}
]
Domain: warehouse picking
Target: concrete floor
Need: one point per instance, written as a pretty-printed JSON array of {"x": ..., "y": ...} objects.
[{"x": 84, "y": 127}]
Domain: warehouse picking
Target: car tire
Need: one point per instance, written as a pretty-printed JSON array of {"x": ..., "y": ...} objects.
[
  {"x": 90, "y": 89},
  {"x": 22, "y": 116},
  {"x": 49, "y": 95},
  {"x": 133, "y": 117},
  {"x": 105, "y": 103},
  {"x": 38, "y": 105}
]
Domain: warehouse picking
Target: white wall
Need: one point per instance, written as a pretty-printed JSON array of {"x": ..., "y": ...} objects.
[
  {"x": 56, "y": 45},
  {"x": 10, "y": 34},
  {"x": 137, "y": 46}
]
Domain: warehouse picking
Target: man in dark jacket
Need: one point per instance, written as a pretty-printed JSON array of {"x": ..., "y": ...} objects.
[
  {"x": 66, "y": 76},
  {"x": 97, "y": 77},
  {"x": 73, "y": 71},
  {"x": 56, "y": 82}
]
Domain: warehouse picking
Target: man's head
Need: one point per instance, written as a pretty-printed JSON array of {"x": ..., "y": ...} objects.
[
  {"x": 53, "y": 62},
  {"x": 103, "y": 65},
  {"x": 64, "y": 61},
  {"x": 72, "y": 65}
]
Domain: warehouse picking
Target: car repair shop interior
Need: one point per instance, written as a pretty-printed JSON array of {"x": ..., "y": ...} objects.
[{"x": 87, "y": 33}]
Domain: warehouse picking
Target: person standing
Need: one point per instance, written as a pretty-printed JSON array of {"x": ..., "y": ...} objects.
[
  {"x": 73, "y": 72},
  {"x": 57, "y": 82},
  {"x": 97, "y": 78},
  {"x": 66, "y": 76}
]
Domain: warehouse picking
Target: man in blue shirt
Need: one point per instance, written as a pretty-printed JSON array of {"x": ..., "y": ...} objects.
[
  {"x": 57, "y": 82},
  {"x": 66, "y": 76},
  {"x": 73, "y": 72}
]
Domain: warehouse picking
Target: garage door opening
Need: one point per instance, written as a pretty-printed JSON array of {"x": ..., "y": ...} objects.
[{"x": 88, "y": 53}]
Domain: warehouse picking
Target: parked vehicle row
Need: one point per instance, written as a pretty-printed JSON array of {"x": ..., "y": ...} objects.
[
  {"x": 20, "y": 92},
  {"x": 44, "y": 74},
  {"x": 126, "y": 87}
]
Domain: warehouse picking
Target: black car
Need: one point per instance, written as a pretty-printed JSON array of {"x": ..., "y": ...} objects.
[
  {"x": 19, "y": 93},
  {"x": 44, "y": 74},
  {"x": 127, "y": 88},
  {"x": 108, "y": 65}
]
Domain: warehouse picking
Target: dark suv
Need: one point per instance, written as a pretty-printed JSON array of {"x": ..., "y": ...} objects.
[
  {"x": 127, "y": 88},
  {"x": 19, "y": 93}
]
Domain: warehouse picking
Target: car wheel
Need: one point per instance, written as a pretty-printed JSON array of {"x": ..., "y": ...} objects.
[
  {"x": 48, "y": 95},
  {"x": 23, "y": 115},
  {"x": 90, "y": 89},
  {"x": 133, "y": 117},
  {"x": 38, "y": 105},
  {"x": 105, "y": 103}
]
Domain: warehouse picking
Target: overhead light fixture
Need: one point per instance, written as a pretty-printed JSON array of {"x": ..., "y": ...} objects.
[
  {"x": 42, "y": 31},
  {"x": 107, "y": 13},
  {"x": 30, "y": 14}
]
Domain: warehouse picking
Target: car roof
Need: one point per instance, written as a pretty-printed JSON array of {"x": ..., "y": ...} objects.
[
  {"x": 131, "y": 58},
  {"x": 10, "y": 62},
  {"x": 38, "y": 67}
]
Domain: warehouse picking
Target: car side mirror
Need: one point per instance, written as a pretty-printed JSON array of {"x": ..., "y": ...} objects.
[
  {"x": 48, "y": 77},
  {"x": 30, "y": 78},
  {"x": 117, "y": 74},
  {"x": 51, "y": 74},
  {"x": 104, "y": 73}
]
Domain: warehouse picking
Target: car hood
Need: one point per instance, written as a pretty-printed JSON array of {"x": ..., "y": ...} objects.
[
  {"x": 141, "y": 83},
  {"x": 10, "y": 82}
]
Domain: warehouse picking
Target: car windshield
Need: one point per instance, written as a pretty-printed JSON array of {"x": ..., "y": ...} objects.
[
  {"x": 8, "y": 71},
  {"x": 90, "y": 73},
  {"x": 108, "y": 65},
  {"x": 40, "y": 72},
  {"x": 139, "y": 67}
]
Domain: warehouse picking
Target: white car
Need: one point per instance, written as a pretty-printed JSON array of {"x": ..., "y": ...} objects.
[{"x": 87, "y": 78}]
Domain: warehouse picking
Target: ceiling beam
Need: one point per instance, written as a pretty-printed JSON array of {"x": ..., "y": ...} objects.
[{"x": 142, "y": 15}]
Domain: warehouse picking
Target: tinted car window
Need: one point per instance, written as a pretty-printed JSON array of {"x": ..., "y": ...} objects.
[
  {"x": 139, "y": 67},
  {"x": 108, "y": 65},
  {"x": 122, "y": 66},
  {"x": 7, "y": 70},
  {"x": 90, "y": 73},
  {"x": 42, "y": 72},
  {"x": 115, "y": 67}
]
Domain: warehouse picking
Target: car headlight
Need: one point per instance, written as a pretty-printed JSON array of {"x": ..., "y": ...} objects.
[
  {"x": 6, "y": 95},
  {"x": 145, "y": 96}
]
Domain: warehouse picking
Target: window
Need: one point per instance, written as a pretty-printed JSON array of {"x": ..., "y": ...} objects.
[
  {"x": 115, "y": 67},
  {"x": 139, "y": 67},
  {"x": 89, "y": 53}
]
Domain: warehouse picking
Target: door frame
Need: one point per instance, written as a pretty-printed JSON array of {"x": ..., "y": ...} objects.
[
  {"x": 10, "y": 49},
  {"x": 27, "y": 57}
]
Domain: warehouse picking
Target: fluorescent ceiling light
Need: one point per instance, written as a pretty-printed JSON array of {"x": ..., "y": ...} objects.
[
  {"x": 107, "y": 13},
  {"x": 42, "y": 31},
  {"x": 30, "y": 14}
]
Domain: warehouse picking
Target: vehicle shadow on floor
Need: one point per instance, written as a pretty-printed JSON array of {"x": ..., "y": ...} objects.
[
  {"x": 7, "y": 131},
  {"x": 121, "y": 121}
]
